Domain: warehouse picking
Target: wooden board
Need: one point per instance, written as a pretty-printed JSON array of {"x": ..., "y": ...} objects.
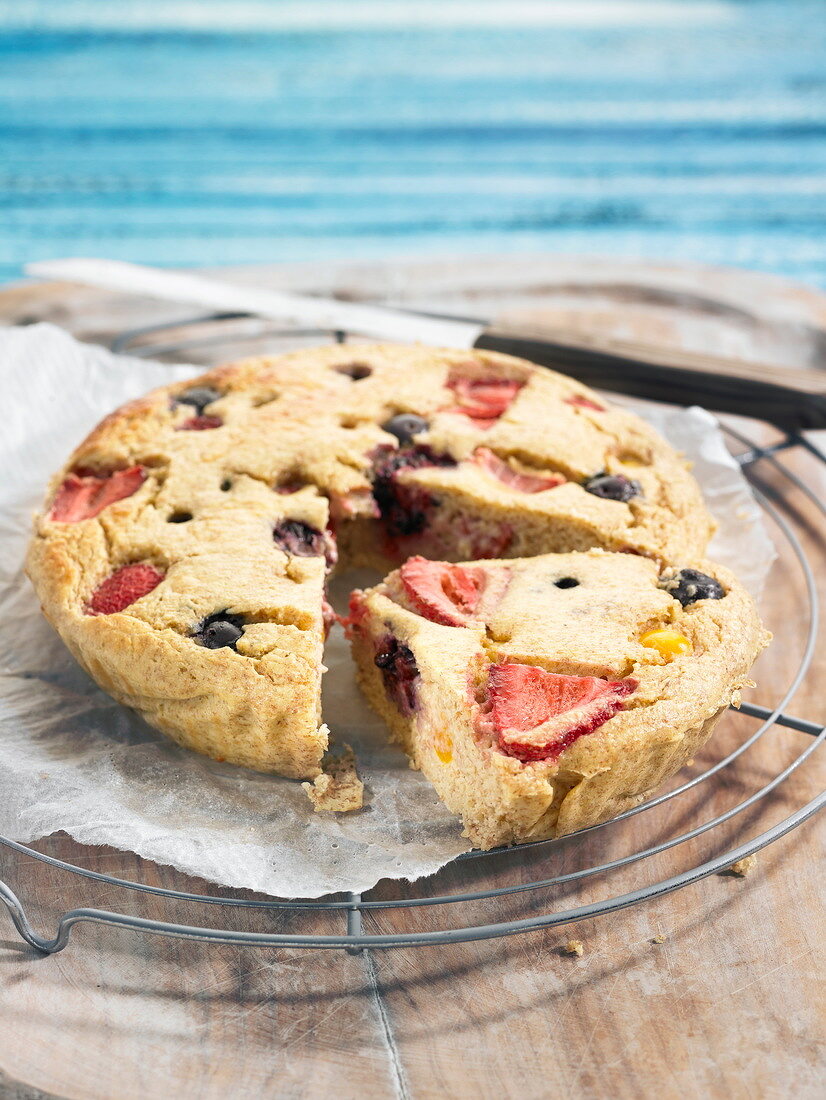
[{"x": 727, "y": 1005}]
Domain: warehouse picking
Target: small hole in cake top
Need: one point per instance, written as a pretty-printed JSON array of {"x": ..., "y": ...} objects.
[
  {"x": 355, "y": 371},
  {"x": 226, "y": 485},
  {"x": 179, "y": 517},
  {"x": 567, "y": 582}
]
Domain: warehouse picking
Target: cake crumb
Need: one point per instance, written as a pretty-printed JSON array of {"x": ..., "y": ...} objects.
[
  {"x": 574, "y": 947},
  {"x": 659, "y": 938},
  {"x": 338, "y": 789},
  {"x": 744, "y": 866}
]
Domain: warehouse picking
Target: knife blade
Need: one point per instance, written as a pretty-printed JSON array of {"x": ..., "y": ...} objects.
[{"x": 792, "y": 398}]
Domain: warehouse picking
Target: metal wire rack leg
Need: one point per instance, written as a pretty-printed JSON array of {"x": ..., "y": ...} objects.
[{"x": 21, "y": 923}]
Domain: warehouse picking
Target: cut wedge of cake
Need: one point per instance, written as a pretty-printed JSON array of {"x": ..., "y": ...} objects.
[
  {"x": 201, "y": 608},
  {"x": 543, "y": 695}
]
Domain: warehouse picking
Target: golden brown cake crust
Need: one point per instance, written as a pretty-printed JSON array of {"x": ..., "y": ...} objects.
[{"x": 293, "y": 439}]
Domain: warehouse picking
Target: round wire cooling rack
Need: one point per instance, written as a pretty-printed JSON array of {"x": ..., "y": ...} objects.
[{"x": 352, "y": 908}]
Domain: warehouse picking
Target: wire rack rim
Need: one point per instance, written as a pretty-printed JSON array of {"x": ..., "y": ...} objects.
[
  {"x": 355, "y": 904},
  {"x": 443, "y": 899},
  {"x": 770, "y": 718},
  {"x": 407, "y": 939}
]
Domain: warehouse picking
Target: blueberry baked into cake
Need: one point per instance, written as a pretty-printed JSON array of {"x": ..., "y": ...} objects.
[{"x": 184, "y": 551}]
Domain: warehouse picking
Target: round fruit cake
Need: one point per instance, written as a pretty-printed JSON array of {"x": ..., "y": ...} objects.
[
  {"x": 542, "y": 695},
  {"x": 183, "y": 551}
]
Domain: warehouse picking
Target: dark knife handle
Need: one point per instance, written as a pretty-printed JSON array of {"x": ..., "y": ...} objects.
[{"x": 793, "y": 398}]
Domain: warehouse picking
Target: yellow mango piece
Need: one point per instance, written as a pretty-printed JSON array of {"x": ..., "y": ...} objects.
[
  {"x": 443, "y": 747},
  {"x": 668, "y": 643}
]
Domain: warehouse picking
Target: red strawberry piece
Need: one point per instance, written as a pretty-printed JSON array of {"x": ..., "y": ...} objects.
[
  {"x": 200, "y": 424},
  {"x": 354, "y": 623},
  {"x": 537, "y": 714},
  {"x": 328, "y": 615},
  {"x": 502, "y": 471},
  {"x": 122, "y": 589},
  {"x": 483, "y": 400},
  {"x": 443, "y": 593},
  {"x": 581, "y": 402},
  {"x": 83, "y": 496}
]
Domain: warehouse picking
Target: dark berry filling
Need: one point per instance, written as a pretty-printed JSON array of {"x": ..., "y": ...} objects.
[
  {"x": 613, "y": 487},
  {"x": 399, "y": 672},
  {"x": 404, "y": 426},
  {"x": 690, "y": 585},
  {"x": 197, "y": 396},
  {"x": 295, "y": 537},
  {"x": 302, "y": 541},
  {"x": 404, "y": 508},
  {"x": 289, "y": 482},
  {"x": 220, "y": 631}
]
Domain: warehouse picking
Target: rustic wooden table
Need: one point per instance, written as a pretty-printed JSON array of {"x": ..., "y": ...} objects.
[{"x": 713, "y": 991}]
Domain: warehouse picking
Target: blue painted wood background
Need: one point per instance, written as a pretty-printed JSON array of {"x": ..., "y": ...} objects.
[{"x": 232, "y": 131}]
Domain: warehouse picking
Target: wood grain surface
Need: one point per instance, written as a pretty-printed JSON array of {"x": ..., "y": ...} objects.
[{"x": 712, "y": 991}]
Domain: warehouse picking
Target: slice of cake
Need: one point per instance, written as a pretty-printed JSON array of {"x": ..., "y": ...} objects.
[
  {"x": 543, "y": 695},
  {"x": 197, "y": 602}
]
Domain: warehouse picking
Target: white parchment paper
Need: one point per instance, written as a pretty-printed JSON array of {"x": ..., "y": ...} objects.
[{"x": 72, "y": 759}]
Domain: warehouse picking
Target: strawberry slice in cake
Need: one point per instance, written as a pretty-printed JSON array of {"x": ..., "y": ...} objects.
[
  {"x": 542, "y": 695},
  {"x": 536, "y": 715},
  {"x": 84, "y": 494},
  {"x": 482, "y": 399}
]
